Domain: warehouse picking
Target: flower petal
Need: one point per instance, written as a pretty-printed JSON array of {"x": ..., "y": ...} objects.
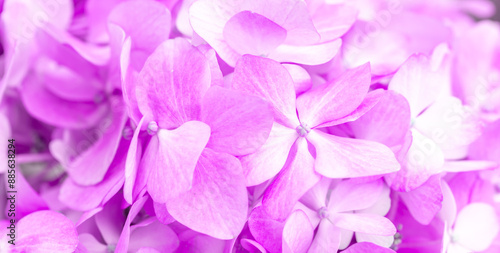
[
  {"x": 353, "y": 157},
  {"x": 297, "y": 233},
  {"x": 335, "y": 99},
  {"x": 424, "y": 202},
  {"x": 424, "y": 159},
  {"x": 217, "y": 203},
  {"x": 46, "y": 231},
  {"x": 269, "y": 159},
  {"x": 370, "y": 101},
  {"x": 172, "y": 83},
  {"x": 387, "y": 122},
  {"x": 267, "y": 231},
  {"x": 132, "y": 163},
  {"x": 154, "y": 236},
  {"x": 476, "y": 226},
  {"x": 291, "y": 183},
  {"x": 349, "y": 195},
  {"x": 268, "y": 79},
  {"x": 327, "y": 238},
  {"x": 240, "y": 123},
  {"x": 85, "y": 198},
  {"x": 172, "y": 156},
  {"x": 252, "y": 33},
  {"x": 365, "y": 223},
  {"x": 89, "y": 167},
  {"x": 311, "y": 54},
  {"x": 48, "y": 108}
]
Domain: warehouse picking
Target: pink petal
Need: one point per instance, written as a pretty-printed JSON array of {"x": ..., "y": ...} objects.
[
  {"x": 124, "y": 241},
  {"x": 154, "y": 236},
  {"x": 450, "y": 125},
  {"x": 149, "y": 27},
  {"x": 85, "y": 198},
  {"x": 171, "y": 156},
  {"x": 363, "y": 247},
  {"x": 91, "y": 244},
  {"x": 252, "y": 246},
  {"x": 311, "y": 54},
  {"x": 365, "y": 223},
  {"x": 476, "y": 226},
  {"x": 97, "y": 55},
  {"x": 215, "y": 68},
  {"x": 195, "y": 242},
  {"x": 424, "y": 159},
  {"x": 132, "y": 163},
  {"x": 46, "y": 231},
  {"x": 67, "y": 83},
  {"x": 162, "y": 213},
  {"x": 418, "y": 83},
  {"x": 109, "y": 222},
  {"x": 333, "y": 20},
  {"x": 97, "y": 14},
  {"x": 315, "y": 198},
  {"x": 382, "y": 241},
  {"x": 336, "y": 99},
  {"x": 208, "y": 19},
  {"x": 327, "y": 238},
  {"x": 172, "y": 83},
  {"x": 269, "y": 159},
  {"x": 268, "y": 79},
  {"x": 252, "y": 33},
  {"x": 48, "y": 108},
  {"x": 353, "y": 157},
  {"x": 217, "y": 203},
  {"x": 291, "y": 15},
  {"x": 387, "y": 122},
  {"x": 300, "y": 76},
  {"x": 128, "y": 80},
  {"x": 448, "y": 212},
  {"x": 370, "y": 101},
  {"x": 424, "y": 202},
  {"x": 349, "y": 195},
  {"x": 268, "y": 232},
  {"x": 89, "y": 167},
  {"x": 240, "y": 123},
  {"x": 291, "y": 183},
  {"x": 297, "y": 233}
]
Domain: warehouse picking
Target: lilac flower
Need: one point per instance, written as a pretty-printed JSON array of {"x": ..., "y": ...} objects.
[
  {"x": 298, "y": 123},
  {"x": 350, "y": 207},
  {"x": 185, "y": 115}
]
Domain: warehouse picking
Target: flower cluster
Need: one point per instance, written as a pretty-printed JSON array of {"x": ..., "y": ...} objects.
[{"x": 249, "y": 126}]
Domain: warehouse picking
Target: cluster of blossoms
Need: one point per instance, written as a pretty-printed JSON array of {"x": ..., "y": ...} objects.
[{"x": 250, "y": 126}]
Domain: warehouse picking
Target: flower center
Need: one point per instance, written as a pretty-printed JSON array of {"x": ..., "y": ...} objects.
[
  {"x": 302, "y": 130},
  {"x": 323, "y": 213},
  {"x": 152, "y": 128}
]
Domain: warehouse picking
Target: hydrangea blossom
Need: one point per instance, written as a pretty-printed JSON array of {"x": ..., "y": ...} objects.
[{"x": 249, "y": 126}]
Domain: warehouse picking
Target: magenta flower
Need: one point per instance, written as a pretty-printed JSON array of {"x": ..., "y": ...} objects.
[
  {"x": 195, "y": 132},
  {"x": 297, "y": 125}
]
